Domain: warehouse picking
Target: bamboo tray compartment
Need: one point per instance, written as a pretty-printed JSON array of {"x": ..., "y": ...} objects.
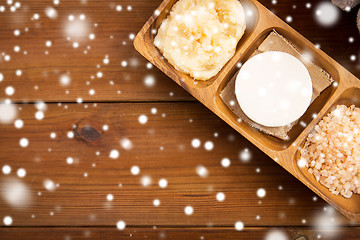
[{"x": 260, "y": 22}]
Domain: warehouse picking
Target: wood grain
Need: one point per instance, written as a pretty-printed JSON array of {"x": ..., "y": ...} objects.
[
  {"x": 285, "y": 153},
  {"x": 81, "y": 201},
  {"x": 111, "y": 39},
  {"x": 294, "y": 233},
  {"x": 44, "y": 71},
  {"x": 358, "y": 20}
]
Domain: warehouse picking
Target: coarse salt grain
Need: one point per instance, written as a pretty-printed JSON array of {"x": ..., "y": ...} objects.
[{"x": 332, "y": 151}]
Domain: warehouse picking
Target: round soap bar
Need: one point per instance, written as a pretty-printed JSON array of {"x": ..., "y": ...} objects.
[{"x": 273, "y": 88}]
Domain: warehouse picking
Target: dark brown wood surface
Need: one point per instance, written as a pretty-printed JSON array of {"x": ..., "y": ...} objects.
[
  {"x": 44, "y": 71},
  {"x": 78, "y": 208},
  {"x": 299, "y": 233},
  {"x": 83, "y": 196}
]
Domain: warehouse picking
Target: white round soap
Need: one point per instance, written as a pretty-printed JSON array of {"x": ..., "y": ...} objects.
[{"x": 273, "y": 88}]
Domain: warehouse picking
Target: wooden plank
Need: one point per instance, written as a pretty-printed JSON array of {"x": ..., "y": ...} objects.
[
  {"x": 293, "y": 233},
  {"x": 112, "y": 39},
  {"x": 162, "y": 149},
  {"x": 44, "y": 71}
]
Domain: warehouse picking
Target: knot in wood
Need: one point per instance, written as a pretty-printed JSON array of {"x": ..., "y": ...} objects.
[
  {"x": 87, "y": 130},
  {"x": 301, "y": 237},
  {"x": 89, "y": 133}
]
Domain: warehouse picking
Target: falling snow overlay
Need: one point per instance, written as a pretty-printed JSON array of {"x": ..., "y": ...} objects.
[{"x": 93, "y": 134}]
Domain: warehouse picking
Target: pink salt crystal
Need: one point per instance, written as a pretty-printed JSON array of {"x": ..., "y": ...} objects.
[{"x": 332, "y": 151}]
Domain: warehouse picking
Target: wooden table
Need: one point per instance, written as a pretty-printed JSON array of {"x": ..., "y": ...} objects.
[{"x": 85, "y": 196}]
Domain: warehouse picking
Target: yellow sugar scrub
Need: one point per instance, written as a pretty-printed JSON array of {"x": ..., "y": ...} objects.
[{"x": 199, "y": 36}]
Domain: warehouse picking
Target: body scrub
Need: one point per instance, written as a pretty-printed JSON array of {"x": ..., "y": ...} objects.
[
  {"x": 332, "y": 152},
  {"x": 200, "y": 36}
]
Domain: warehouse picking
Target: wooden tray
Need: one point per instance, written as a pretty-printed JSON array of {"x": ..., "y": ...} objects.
[{"x": 260, "y": 22}]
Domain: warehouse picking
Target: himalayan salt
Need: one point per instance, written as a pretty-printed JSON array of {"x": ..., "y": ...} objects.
[{"x": 332, "y": 151}]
